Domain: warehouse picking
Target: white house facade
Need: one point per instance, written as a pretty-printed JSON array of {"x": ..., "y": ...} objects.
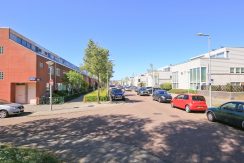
[{"x": 227, "y": 66}]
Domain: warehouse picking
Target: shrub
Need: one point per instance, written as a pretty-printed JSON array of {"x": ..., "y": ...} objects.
[
  {"x": 23, "y": 155},
  {"x": 179, "y": 91},
  {"x": 92, "y": 97},
  {"x": 166, "y": 86}
]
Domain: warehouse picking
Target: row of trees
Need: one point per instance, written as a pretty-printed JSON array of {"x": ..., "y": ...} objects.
[{"x": 97, "y": 63}]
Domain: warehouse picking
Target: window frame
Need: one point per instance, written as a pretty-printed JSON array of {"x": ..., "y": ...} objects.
[{"x": 1, "y": 75}]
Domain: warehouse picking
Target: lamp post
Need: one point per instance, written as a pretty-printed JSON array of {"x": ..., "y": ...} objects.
[
  {"x": 209, "y": 67},
  {"x": 50, "y": 63}
]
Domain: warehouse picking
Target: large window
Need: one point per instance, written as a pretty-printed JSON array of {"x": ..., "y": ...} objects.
[
  {"x": 242, "y": 70},
  {"x": 197, "y": 76},
  {"x": 1, "y": 49},
  {"x": 1, "y": 75},
  {"x": 232, "y": 70},
  {"x": 238, "y": 70},
  {"x": 203, "y": 74},
  {"x": 175, "y": 82}
]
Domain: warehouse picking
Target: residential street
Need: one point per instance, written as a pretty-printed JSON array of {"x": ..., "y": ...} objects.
[{"x": 137, "y": 130}]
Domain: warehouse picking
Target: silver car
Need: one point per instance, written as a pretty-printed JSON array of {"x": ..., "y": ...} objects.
[{"x": 7, "y": 108}]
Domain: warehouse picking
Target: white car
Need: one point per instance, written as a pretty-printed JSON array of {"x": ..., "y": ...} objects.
[{"x": 7, "y": 109}]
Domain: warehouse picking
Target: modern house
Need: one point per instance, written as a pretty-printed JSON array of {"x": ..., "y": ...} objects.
[
  {"x": 226, "y": 67},
  {"x": 24, "y": 74},
  {"x": 155, "y": 78}
]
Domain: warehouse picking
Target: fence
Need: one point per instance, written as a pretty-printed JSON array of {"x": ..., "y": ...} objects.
[{"x": 225, "y": 88}]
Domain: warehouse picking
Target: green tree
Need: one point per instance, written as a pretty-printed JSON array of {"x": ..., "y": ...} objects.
[
  {"x": 75, "y": 80},
  {"x": 95, "y": 62}
]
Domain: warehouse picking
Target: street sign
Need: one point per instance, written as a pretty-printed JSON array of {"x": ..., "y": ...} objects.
[{"x": 51, "y": 82}]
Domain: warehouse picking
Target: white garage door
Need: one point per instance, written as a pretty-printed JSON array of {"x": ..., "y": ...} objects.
[{"x": 20, "y": 94}]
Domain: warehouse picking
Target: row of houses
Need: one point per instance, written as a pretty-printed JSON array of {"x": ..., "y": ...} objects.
[
  {"x": 24, "y": 73},
  {"x": 218, "y": 67}
]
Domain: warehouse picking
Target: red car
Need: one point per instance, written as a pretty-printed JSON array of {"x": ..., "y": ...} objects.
[{"x": 189, "y": 102}]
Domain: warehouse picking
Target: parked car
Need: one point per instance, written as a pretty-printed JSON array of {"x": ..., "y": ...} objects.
[
  {"x": 137, "y": 89},
  {"x": 149, "y": 89},
  {"x": 230, "y": 112},
  {"x": 161, "y": 96},
  {"x": 128, "y": 88},
  {"x": 189, "y": 102},
  {"x": 117, "y": 94},
  {"x": 143, "y": 91},
  {"x": 7, "y": 109}
]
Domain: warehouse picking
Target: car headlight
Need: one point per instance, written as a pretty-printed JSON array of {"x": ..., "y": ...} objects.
[{"x": 163, "y": 97}]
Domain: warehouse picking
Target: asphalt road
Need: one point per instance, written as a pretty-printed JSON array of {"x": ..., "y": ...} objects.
[{"x": 137, "y": 130}]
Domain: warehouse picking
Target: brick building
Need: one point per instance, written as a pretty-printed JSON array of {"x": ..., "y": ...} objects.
[{"x": 24, "y": 74}]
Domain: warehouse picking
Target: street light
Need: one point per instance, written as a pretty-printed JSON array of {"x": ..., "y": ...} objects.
[
  {"x": 50, "y": 63},
  {"x": 209, "y": 68}
]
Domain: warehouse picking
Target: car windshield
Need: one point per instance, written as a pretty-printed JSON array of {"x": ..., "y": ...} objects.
[
  {"x": 117, "y": 91},
  {"x": 198, "y": 98},
  {"x": 161, "y": 92},
  {"x": 4, "y": 102}
]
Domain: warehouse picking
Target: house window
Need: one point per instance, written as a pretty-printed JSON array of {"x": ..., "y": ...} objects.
[
  {"x": 57, "y": 71},
  {"x": 242, "y": 70},
  {"x": 238, "y": 70},
  {"x": 1, "y": 76},
  {"x": 1, "y": 49},
  {"x": 232, "y": 70},
  {"x": 203, "y": 74},
  {"x": 41, "y": 65}
]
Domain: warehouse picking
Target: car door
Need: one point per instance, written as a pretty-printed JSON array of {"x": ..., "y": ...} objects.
[
  {"x": 178, "y": 101},
  {"x": 185, "y": 101},
  {"x": 238, "y": 117},
  {"x": 227, "y": 112}
]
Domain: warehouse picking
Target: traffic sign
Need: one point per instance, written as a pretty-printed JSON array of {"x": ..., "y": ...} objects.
[{"x": 51, "y": 82}]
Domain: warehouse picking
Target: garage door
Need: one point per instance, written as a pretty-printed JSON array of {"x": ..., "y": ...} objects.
[{"x": 20, "y": 94}]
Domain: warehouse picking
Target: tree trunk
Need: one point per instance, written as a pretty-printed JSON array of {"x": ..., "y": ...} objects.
[{"x": 98, "y": 90}]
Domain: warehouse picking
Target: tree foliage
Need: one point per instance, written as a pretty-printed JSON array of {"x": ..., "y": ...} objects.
[
  {"x": 76, "y": 81},
  {"x": 96, "y": 62},
  {"x": 166, "y": 86}
]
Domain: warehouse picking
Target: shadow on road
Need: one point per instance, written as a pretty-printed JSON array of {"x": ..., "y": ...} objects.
[
  {"x": 86, "y": 139},
  {"x": 190, "y": 141},
  {"x": 123, "y": 138}
]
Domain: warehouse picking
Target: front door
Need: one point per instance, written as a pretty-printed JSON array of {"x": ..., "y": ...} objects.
[{"x": 20, "y": 94}]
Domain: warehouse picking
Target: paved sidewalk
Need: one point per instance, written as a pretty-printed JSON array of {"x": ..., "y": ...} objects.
[{"x": 74, "y": 105}]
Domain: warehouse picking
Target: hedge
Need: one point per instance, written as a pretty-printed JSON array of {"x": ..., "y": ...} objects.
[
  {"x": 179, "y": 91},
  {"x": 92, "y": 97},
  {"x": 9, "y": 154}
]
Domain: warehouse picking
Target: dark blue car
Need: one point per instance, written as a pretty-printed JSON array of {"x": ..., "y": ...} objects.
[{"x": 117, "y": 94}]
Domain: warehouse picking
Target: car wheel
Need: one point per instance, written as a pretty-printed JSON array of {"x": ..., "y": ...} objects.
[
  {"x": 188, "y": 110},
  {"x": 172, "y": 105},
  {"x": 242, "y": 125},
  {"x": 210, "y": 117},
  {"x": 160, "y": 100},
  {"x": 3, "y": 114}
]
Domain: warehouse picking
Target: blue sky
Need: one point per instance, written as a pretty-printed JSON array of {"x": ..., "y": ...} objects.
[{"x": 137, "y": 32}]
